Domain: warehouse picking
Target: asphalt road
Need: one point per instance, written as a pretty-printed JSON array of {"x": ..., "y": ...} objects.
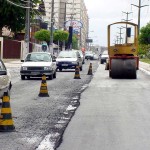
[
  {"x": 37, "y": 118},
  {"x": 114, "y": 114}
]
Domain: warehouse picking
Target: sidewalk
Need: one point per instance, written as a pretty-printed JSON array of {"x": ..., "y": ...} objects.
[
  {"x": 144, "y": 67},
  {"x": 12, "y": 62}
]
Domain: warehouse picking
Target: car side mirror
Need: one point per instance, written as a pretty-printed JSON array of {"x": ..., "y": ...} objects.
[{"x": 3, "y": 72}]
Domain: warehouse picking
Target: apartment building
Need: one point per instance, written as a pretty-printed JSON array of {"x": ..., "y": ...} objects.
[{"x": 65, "y": 10}]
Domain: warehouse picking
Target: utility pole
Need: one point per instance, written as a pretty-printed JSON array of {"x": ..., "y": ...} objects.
[
  {"x": 51, "y": 28},
  {"x": 139, "y": 13},
  {"x": 127, "y": 20},
  {"x": 65, "y": 13},
  {"x": 120, "y": 33},
  {"x": 69, "y": 45},
  {"x": 63, "y": 48},
  {"x": 27, "y": 28},
  {"x": 117, "y": 39}
]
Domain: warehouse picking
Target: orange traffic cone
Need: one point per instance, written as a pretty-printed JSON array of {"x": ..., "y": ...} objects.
[
  {"x": 43, "y": 88},
  {"x": 6, "y": 122},
  {"x": 77, "y": 74},
  {"x": 90, "y": 70}
]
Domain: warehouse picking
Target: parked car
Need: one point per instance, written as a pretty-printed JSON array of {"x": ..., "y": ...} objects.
[
  {"x": 89, "y": 55},
  {"x": 68, "y": 60},
  {"x": 104, "y": 57},
  {"x": 82, "y": 55},
  {"x": 95, "y": 56},
  {"x": 5, "y": 80},
  {"x": 38, "y": 63}
]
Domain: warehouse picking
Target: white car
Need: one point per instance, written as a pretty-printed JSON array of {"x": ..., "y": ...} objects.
[
  {"x": 104, "y": 57},
  {"x": 89, "y": 55},
  {"x": 68, "y": 59},
  {"x": 5, "y": 80},
  {"x": 38, "y": 63}
]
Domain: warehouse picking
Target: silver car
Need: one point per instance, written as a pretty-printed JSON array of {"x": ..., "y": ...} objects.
[
  {"x": 68, "y": 60},
  {"x": 5, "y": 80},
  {"x": 38, "y": 63},
  {"x": 104, "y": 57}
]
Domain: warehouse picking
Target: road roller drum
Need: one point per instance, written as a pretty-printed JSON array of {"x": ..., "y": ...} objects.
[{"x": 123, "y": 68}]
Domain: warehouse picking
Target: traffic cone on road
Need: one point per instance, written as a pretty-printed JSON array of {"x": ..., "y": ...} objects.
[
  {"x": 43, "y": 88},
  {"x": 77, "y": 74},
  {"x": 6, "y": 122},
  {"x": 107, "y": 65},
  {"x": 90, "y": 70}
]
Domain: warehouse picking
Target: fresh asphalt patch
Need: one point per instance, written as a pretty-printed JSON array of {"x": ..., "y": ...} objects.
[{"x": 54, "y": 138}]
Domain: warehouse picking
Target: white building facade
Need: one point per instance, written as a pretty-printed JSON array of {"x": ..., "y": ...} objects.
[{"x": 65, "y": 10}]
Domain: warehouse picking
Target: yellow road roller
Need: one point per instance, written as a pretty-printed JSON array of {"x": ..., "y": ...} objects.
[{"x": 123, "y": 59}]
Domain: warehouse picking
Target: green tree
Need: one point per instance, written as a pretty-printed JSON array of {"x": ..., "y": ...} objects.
[
  {"x": 144, "y": 41},
  {"x": 144, "y": 37},
  {"x": 43, "y": 35},
  {"x": 60, "y": 35},
  {"x": 13, "y": 16}
]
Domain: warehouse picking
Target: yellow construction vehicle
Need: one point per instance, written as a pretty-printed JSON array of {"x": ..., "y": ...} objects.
[{"x": 123, "y": 59}]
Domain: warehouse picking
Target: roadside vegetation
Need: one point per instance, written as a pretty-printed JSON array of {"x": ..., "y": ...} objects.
[
  {"x": 13, "y": 17},
  {"x": 17, "y": 24},
  {"x": 144, "y": 44},
  {"x": 59, "y": 36}
]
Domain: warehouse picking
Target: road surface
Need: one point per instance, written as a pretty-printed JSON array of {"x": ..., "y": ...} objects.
[{"x": 114, "y": 114}]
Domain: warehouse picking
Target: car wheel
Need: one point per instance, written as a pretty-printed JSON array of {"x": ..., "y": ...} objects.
[
  {"x": 28, "y": 77},
  {"x": 101, "y": 62},
  {"x": 22, "y": 77},
  {"x": 10, "y": 86},
  {"x": 54, "y": 75},
  {"x": 50, "y": 77},
  {"x": 81, "y": 68},
  {"x": 60, "y": 69}
]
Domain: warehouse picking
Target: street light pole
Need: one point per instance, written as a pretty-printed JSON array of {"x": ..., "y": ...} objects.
[
  {"x": 51, "y": 28},
  {"x": 27, "y": 28}
]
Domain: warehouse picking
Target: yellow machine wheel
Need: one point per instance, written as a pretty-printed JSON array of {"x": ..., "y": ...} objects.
[{"x": 123, "y": 68}]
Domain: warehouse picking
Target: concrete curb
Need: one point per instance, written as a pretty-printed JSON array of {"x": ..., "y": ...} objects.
[{"x": 145, "y": 71}]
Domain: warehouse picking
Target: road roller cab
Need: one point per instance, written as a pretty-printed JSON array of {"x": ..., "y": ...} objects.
[{"x": 123, "y": 52}]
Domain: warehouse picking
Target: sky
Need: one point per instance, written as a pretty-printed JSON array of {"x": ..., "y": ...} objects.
[{"x": 104, "y": 12}]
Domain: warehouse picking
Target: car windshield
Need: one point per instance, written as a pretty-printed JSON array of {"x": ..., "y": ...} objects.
[
  {"x": 89, "y": 52},
  {"x": 105, "y": 53},
  {"x": 67, "y": 54},
  {"x": 35, "y": 57}
]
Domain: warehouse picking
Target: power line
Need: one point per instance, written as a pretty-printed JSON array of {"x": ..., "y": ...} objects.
[
  {"x": 139, "y": 13},
  {"x": 18, "y": 5}
]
